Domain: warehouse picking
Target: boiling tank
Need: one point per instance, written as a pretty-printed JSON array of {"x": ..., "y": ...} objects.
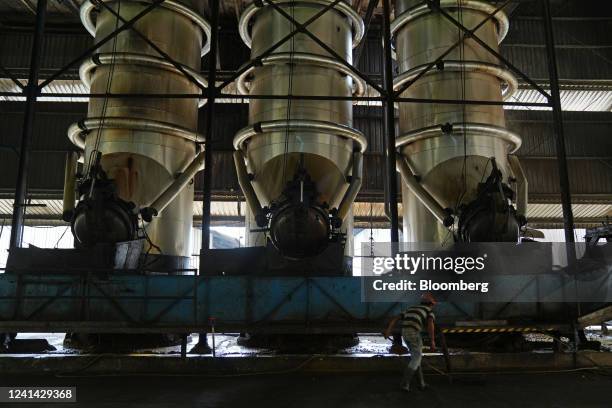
[
  {"x": 300, "y": 160},
  {"x": 142, "y": 143},
  {"x": 458, "y": 182}
]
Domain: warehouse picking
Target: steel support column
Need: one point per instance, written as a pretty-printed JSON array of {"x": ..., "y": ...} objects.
[
  {"x": 389, "y": 123},
  {"x": 32, "y": 93},
  {"x": 367, "y": 21},
  {"x": 555, "y": 101},
  {"x": 208, "y": 118}
]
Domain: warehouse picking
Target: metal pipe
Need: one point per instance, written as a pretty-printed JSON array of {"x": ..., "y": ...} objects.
[
  {"x": 32, "y": 93},
  {"x": 347, "y": 10},
  {"x": 69, "y": 197},
  {"x": 88, "y": 8},
  {"x": 356, "y": 179},
  {"x": 389, "y": 123},
  {"x": 170, "y": 192},
  {"x": 296, "y": 125},
  {"x": 555, "y": 101},
  {"x": 245, "y": 184},
  {"x": 300, "y": 58},
  {"x": 511, "y": 139},
  {"x": 503, "y": 74},
  {"x": 522, "y": 185},
  {"x": 424, "y": 197},
  {"x": 77, "y": 132},
  {"x": 208, "y": 120}
]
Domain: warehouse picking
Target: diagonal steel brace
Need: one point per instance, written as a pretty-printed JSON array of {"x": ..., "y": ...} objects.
[
  {"x": 432, "y": 64},
  {"x": 92, "y": 49},
  {"x": 434, "y": 5},
  {"x": 301, "y": 28},
  {"x": 161, "y": 52},
  {"x": 258, "y": 59}
]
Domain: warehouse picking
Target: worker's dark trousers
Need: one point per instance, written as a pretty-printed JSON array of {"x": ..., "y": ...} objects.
[{"x": 414, "y": 342}]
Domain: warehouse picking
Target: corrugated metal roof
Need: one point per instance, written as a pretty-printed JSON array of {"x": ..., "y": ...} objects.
[
  {"x": 592, "y": 97},
  {"x": 579, "y": 210},
  {"x": 56, "y": 87}
]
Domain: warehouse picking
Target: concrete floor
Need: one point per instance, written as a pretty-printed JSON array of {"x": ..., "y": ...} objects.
[{"x": 569, "y": 389}]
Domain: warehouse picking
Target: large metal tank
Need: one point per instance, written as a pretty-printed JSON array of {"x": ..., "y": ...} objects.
[
  {"x": 144, "y": 142},
  {"x": 454, "y": 158},
  {"x": 299, "y": 161}
]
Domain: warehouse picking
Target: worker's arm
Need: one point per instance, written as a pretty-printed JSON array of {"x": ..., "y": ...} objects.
[
  {"x": 431, "y": 330},
  {"x": 387, "y": 332}
]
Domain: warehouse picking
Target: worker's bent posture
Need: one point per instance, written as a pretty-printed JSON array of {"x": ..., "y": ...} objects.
[{"x": 413, "y": 320}]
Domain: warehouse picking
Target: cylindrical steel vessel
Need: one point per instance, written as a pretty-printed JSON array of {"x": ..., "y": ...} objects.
[
  {"x": 449, "y": 147},
  {"x": 306, "y": 142},
  {"x": 144, "y": 142}
]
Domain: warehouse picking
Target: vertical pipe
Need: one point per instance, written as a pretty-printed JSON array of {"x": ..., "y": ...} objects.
[
  {"x": 31, "y": 91},
  {"x": 389, "y": 124},
  {"x": 209, "y": 114},
  {"x": 555, "y": 101},
  {"x": 69, "y": 197}
]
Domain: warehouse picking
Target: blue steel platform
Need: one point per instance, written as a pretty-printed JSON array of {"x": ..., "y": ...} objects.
[
  {"x": 179, "y": 303},
  {"x": 90, "y": 302}
]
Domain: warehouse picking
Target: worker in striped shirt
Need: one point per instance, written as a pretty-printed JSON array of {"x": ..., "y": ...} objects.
[{"x": 413, "y": 320}]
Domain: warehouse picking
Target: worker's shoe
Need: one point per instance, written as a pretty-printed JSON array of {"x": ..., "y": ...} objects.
[
  {"x": 406, "y": 378},
  {"x": 422, "y": 384}
]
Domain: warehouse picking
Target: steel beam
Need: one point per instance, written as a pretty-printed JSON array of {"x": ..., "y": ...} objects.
[
  {"x": 555, "y": 100},
  {"x": 284, "y": 97},
  {"x": 10, "y": 76},
  {"x": 389, "y": 124},
  {"x": 32, "y": 92},
  {"x": 212, "y": 75}
]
